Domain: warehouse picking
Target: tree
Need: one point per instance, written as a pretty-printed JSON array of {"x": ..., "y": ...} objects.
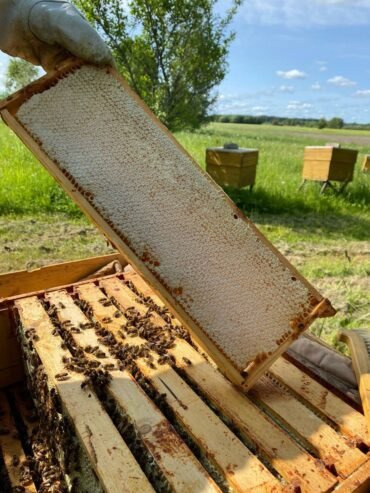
[
  {"x": 19, "y": 73},
  {"x": 335, "y": 123},
  {"x": 172, "y": 52},
  {"x": 322, "y": 123},
  {"x": 237, "y": 119}
]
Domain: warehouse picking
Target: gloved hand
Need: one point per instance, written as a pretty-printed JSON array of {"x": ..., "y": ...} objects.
[{"x": 47, "y": 32}]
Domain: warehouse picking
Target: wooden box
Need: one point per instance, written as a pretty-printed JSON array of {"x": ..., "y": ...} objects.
[
  {"x": 366, "y": 164},
  {"x": 191, "y": 429},
  {"x": 329, "y": 164},
  {"x": 234, "y": 168}
]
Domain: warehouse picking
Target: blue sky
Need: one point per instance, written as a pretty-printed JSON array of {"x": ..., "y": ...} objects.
[{"x": 299, "y": 58}]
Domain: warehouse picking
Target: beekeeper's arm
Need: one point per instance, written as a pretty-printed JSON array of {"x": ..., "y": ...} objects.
[{"x": 46, "y": 32}]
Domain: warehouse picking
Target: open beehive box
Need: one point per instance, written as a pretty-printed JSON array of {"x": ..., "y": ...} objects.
[
  {"x": 166, "y": 216},
  {"x": 328, "y": 163},
  {"x": 124, "y": 400}
]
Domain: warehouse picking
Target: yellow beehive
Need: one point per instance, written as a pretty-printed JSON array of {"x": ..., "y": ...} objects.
[
  {"x": 327, "y": 163},
  {"x": 366, "y": 164},
  {"x": 232, "y": 167}
]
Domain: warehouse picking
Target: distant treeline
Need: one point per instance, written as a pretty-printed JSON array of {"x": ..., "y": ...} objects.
[{"x": 335, "y": 122}]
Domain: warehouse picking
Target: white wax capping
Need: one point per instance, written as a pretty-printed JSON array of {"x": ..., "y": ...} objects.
[{"x": 231, "y": 283}]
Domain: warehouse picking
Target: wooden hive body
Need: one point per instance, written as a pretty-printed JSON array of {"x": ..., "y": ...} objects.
[
  {"x": 329, "y": 163},
  {"x": 197, "y": 432},
  {"x": 166, "y": 216},
  {"x": 232, "y": 167},
  {"x": 366, "y": 164}
]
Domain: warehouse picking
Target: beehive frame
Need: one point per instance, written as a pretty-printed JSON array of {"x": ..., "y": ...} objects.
[{"x": 243, "y": 374}]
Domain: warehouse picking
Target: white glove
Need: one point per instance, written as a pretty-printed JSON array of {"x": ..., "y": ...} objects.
[{"x": 47, "y": 32}]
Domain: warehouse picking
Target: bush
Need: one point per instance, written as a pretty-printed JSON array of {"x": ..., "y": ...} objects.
[
  {"x": 237, "y": 119},
  {"x": 335, "y": 123}
]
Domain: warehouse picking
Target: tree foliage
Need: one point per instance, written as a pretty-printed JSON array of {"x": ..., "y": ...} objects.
[
  {"x": 172, "y": 52},
  {"x": 335, "y": 123},
  {"x": 321, "y": 123},
  {"x": 19, "y": 73}
]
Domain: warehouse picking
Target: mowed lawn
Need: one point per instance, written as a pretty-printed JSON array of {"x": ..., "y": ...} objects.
[{"x": 327, "y": 237}]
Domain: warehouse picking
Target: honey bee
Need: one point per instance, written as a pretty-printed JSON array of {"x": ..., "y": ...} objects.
[{"x": 61, "y": 376}]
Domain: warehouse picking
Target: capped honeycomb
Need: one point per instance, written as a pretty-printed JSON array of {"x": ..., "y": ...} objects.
[{"x": 210, "y": 260}]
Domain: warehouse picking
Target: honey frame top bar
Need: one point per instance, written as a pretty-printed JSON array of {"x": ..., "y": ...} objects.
[{"x": 318, "y": 306}]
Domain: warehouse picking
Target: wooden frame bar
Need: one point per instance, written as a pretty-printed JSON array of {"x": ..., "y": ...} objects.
[
  {"x": 89, "y": 419},
  {"x": 53, "y": 275},
  {"x": 314, "y": 445}
]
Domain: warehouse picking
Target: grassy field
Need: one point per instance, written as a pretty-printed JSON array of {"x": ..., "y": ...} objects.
[{"x": 326, "y": 236}]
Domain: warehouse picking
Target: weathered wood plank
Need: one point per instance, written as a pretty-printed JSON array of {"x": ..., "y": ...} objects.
[
  {"x": 92, "y": 424},
  {"x": 358, "y": 482},
  {"x": 51, "y": 276},
  {"x": 241, "y": 468},
  {"x": 11, "y": 369},
  {"x": 331, "y": 447},
  {"x": 290, "y": 460},
  {"x": 182, "y": 471},
  {"x": 11, "y": 448},
  {"x": 361, "y": 364},
  {"x": 10, "y": 375},
  {"x": 350, "y": 422}
]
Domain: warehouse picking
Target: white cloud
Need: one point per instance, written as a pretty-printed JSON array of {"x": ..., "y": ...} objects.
[
  {"x": 303, "y": 14},
  {"x": 298, "y": 105},
  {"x": 341, "y": 81},
  {"x": 363, "y": 93},
  {"x": 284, "y": 88},
  {"x": 322, "y": 65},
  {"x": 259, "y": 108},
  {"x": 291, "y": 74},
  {"x": 316, "y": 86}
]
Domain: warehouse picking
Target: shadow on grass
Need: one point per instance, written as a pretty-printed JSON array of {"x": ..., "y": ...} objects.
[{"x": 300, "y": 215}]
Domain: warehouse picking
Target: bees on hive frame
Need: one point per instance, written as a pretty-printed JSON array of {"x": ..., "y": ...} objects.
[{"x": 61, "y": 377}]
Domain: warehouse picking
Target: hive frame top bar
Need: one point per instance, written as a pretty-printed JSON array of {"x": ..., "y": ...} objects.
[{"x": 319, "y": 306}]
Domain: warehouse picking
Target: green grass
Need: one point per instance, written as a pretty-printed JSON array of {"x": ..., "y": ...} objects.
[
  {"x": 279, "y": 176},
  {"x": 327, "y": 237},
  {"x": 25, "y": 187}
]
